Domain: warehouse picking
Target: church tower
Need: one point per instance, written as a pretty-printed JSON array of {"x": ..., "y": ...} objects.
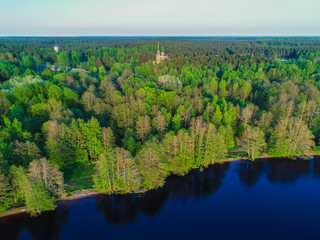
[
  {"x": 158, "y": 59},
  {"x": 162, "y": 52}
]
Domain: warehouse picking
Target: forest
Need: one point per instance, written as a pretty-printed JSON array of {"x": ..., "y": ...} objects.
[{"x": 128, "y": 123}]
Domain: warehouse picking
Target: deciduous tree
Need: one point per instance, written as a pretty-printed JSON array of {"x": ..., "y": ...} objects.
[{"x": 43, "y": 172}]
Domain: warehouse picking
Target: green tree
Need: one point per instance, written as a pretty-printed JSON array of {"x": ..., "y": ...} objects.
[
  {"x": 291, "y": 138},
  {"x": 43, "y": 172},
  {"x": 253, "y": 141},
  {"x": 47, "y": 74},
  {"x": 159, "y": 123},
  {"x": 178, "y": 152},
  {"x": 63, "y": 59},
  {"x": 143, "y": 128},
  {"x": 16, "y": 111},
  {"x": 217, "y": 117},
  {"x": 55, "y": 92},
  {"x": 27, "y": 62},
  {"x": 176, "y": 121},
  {"x": 223, "y": 92},
  {"x": 5, "y": 190},
  {"x": 102, "y": 71},
  {"x": 152, "y": 170},
  {"x": 25, "y": 152},
  {"x": 116, "y": 171},
  {"x": 70, "y": 97},
  {"x": 129, "y": 141},
  {"x": 92, "y": 135},
  {"x": 61, "y": 149},
  {"x": 107, "y": 138},
  {"x": 36, "y": 198}
]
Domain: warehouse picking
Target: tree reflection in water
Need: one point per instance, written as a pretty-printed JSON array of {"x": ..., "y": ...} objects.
[
  {"x": 316, "y": 166},
  {"x": 286, "y": 170},
  {"x": 46, "y": 226},
  {"x": 277, "y": 170},
  {"x": 249, "y": 171},
  {"x": 123, "y": 209}
]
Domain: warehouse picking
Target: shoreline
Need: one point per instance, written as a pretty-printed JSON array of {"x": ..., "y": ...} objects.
[{"x": 86, "y": 193}]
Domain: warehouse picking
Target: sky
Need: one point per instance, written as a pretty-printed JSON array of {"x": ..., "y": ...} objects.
[{"x": 159, "y": 18}]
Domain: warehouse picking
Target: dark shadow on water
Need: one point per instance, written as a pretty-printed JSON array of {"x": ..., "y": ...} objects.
[
  {"x": 124, "y": 209},
  {"x": 249, "y": 171},
  {"x": 46, "y": 226},
  {"x": 281, "y": 170},
  {"x": 286, "y": 170},
  {"x": 316, "y": 166}
]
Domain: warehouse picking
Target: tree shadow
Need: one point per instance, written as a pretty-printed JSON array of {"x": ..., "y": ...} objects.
[
  {"x": 46, "y": 226},
  {"x": 282, "y": 170},
  {"x": 250, "y": 171},
  {"x": 285, "y": 170},
  {"x": 124, "y": 209}
]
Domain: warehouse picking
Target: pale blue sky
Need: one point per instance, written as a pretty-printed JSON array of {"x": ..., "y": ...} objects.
[{"x": 159, "y": 18}]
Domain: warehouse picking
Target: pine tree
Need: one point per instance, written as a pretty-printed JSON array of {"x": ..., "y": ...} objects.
[
  {"x": 198, "y": 131},
  {"x": 217, "y": 117},
  {"x": 92, "y": 135},
  {"x": 116, "y": 171},
  {"x": 107, "y": 138},
  {"x": 253, "y": 141},
  {"x": 143, "y": 128},
  {"x": 35, "y": 196},
  {"x": 5, "y": 189},
  {"x": 152, "y": 170},
  {"x": 160, "y": 123},
  {"x": 229, "y": 137},
  {"x": 291, "y": 138},
  {"x": 209, "y": 153},
  {"x": 103, "y": 176}
]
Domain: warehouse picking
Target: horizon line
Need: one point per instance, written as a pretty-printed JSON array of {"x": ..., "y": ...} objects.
[{"x": 154, "y": 36}]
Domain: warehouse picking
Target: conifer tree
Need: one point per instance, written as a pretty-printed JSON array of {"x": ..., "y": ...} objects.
[
  {"x": 143, "y": 128},
  {"x": 152, "y": 170},
  {"x": 159, "y": 123},
  {"x": 34, "y": 195},
  {"x": 217, "y": 117},
  {"x": 291, "y": 138},
  {"x": 5, "y": 189},
  {"x": 253, "y": 141}
]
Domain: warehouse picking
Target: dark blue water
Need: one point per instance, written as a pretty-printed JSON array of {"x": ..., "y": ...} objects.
[{"x": 265, "y": 199}]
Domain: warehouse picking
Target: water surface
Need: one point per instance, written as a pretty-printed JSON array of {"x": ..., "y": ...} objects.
[{"x": 265, "y": 199}]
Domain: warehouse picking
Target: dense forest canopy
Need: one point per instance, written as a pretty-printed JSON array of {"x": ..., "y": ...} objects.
[{"x": 131, "y": 122}]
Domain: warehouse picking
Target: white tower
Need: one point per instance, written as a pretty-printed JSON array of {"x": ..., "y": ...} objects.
[{"x": 56, "y": 48}]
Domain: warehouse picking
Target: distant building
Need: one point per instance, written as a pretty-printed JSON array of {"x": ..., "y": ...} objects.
[
  {"x": 56, "y": 48},
  {"x": 58, "y": 68},
  {"x": 160, "y": 56}
]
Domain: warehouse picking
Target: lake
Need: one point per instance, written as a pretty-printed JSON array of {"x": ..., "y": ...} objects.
[{"x": 265, "y": 199}]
